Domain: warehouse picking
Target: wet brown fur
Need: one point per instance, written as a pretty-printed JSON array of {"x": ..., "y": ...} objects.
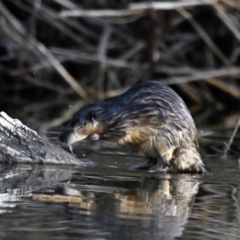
[
  {"x": 149, "y": 116},
  {"x": 88, "y": 129}
]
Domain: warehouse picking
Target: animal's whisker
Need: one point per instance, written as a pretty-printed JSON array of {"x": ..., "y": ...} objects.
[
  {"x": 56, "y": 132},
  {"x": 70, "y": 148},
  {"x": 83, "y": 144}
]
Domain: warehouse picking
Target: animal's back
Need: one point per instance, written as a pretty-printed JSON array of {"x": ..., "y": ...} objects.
[{"x": 151, "y": 104}]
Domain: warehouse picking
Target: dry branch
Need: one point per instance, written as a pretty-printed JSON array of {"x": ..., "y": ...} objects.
[
  {"x": 204, "y": 74},
  {"x": 204, "y": 36},
  {"x": 228, "y": 145},
  {"x": 227, "y": 87},
  {"x": 20, "y": 30},
  {"x": 111, "y": 46},
  {"x": 74, "y": 55},
  {"x": 168, "y": 5},
  {"x": 134, "y": 9},
  {"x": 227, "y": 20}
]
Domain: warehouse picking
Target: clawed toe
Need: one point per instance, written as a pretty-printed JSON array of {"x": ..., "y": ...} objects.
[
  {"x": 162, "y": 169},
  {"x": 139, "y": 167},
  {"x": 148, "y": 163}
]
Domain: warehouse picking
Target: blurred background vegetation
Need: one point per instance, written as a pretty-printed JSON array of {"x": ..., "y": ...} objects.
[{"x": 56, "y": 55}]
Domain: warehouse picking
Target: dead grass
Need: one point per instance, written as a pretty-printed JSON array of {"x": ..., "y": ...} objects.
[{"x": 55, "y": 54}]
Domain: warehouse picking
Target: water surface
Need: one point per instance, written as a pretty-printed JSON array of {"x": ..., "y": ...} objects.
[{"x": 109, "y": 201}]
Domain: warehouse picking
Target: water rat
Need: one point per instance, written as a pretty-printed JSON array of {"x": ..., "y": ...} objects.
[{"x": 150, "y": 116}]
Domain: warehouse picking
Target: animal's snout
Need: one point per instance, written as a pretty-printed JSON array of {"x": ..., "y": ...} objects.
[{"x": 64, "y": 136}]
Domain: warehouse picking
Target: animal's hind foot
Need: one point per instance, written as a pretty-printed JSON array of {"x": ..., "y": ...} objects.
[
  {"x": 163, "y": 169},
  {"x": 148, "y": 163}
]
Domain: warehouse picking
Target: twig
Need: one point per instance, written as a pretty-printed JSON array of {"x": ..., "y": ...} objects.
[
  {"x": 231, "y": 139},
  {"x": 59, "y": 121},
  {"x": 41, "y": 47},
  {"x": 230, "y": 3},
  {"x": 102, "y": 55},
  {"x": 227, "y": 20},
  {"x": 134, "y": 9},
  {"x": 36, "y": 67},
  {"x": 193, "y": 93},
  {"x": 99, "y": 13},
  {"x": 66, "y": 4},
  {"x": 47, "y": 15},
  {"x": 169, "y": 5},
  {"x": 94, "y": 58},
  {"x": 48, "y": 85},
  {"x": 103, "y": 43},
  {"x": 180, "y": 48},
  {"x": 226, "y": 87},
  {"x": 204, "y": 36},
  {"x": 204, "y": 74},
  {"x": 138, "y": 46},
  {"x": 62, "y": 71},
  {"x": 174, "y": 70},
  {"x": 76, "y": 25}
]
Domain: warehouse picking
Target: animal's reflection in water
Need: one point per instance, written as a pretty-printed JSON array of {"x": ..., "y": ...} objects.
[
  {"x": 158, "y": 208},
  {"x": 167, "y": 201}
]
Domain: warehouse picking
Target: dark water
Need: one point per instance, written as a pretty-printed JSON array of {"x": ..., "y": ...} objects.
[{"x": 108, "y": 201}]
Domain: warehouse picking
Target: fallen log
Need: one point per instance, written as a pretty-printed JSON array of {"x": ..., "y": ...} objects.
[{"x": 20, "y": 144}]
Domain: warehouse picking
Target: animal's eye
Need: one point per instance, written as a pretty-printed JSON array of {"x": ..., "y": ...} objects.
[{"x": 76, "y": 123}]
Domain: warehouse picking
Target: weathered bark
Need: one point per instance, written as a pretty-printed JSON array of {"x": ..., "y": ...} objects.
[{"x": 20, "y": 144}]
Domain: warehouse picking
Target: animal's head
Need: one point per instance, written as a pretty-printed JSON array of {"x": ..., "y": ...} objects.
[{"x": 85, "y": 124}]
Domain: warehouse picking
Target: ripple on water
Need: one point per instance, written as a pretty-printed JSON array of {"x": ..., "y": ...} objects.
[{"x": 102, "y": 202}]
